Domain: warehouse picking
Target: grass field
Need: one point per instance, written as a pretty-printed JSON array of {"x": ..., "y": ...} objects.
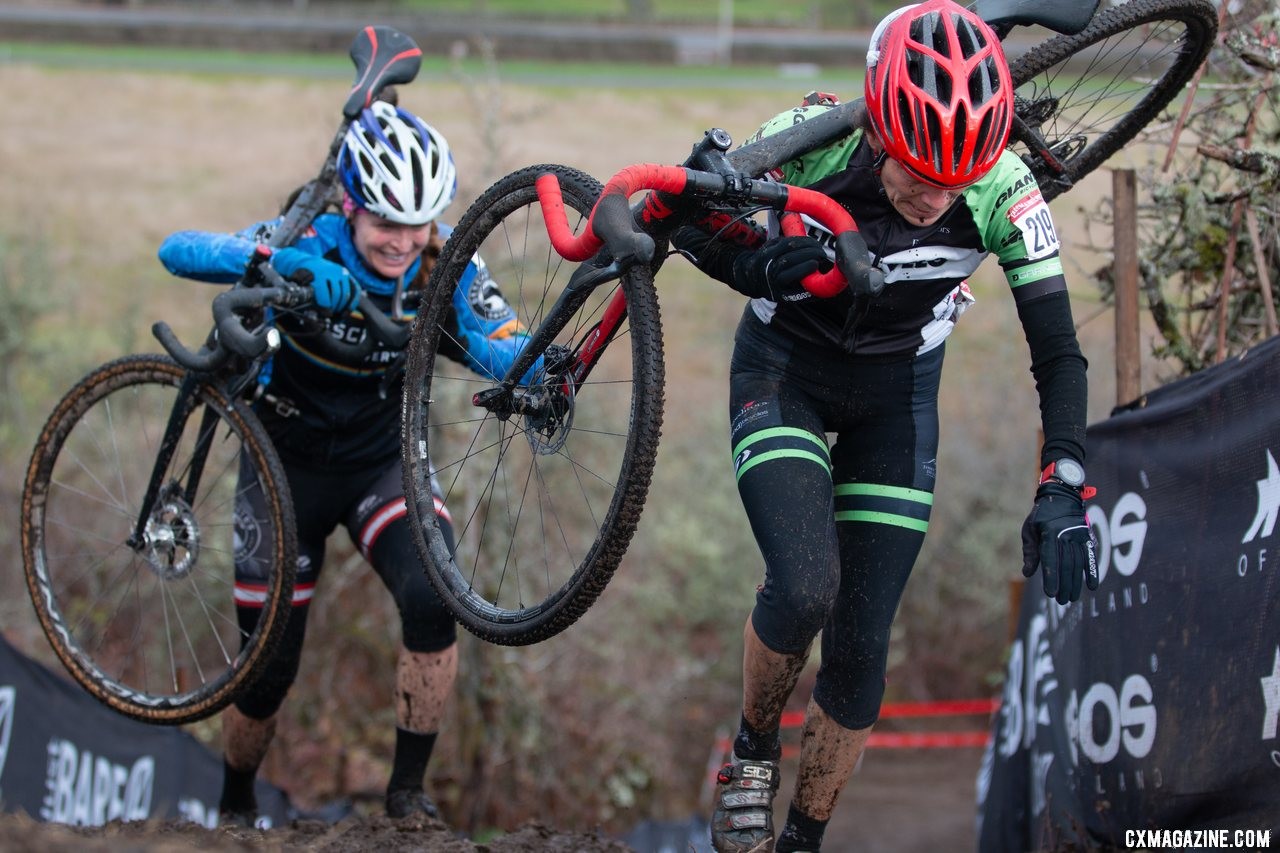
[{"x": 626, "y": 76}]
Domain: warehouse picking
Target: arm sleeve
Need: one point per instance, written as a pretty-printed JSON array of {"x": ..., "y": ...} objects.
[
  {"x": 209, "y": 256},
  {"x": 1019, "y": 227},
  {"x": 487, "y": 332},
  {"x": 1059, "y": 368}
]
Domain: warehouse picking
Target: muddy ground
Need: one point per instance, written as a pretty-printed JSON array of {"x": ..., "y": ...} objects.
[
  {"x": 382, "y": 834},
  {"x": 900, "y": 801}
]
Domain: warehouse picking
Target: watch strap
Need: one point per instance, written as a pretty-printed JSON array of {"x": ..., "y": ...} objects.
[{"x": 1047, "y": 475}]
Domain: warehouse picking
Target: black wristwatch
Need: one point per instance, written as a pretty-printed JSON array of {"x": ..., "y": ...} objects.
[{"x": 1066, "y": 470}]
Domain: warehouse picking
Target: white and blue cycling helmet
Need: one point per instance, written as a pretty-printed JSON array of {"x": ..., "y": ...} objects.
[{"x": 397, "y": 166}]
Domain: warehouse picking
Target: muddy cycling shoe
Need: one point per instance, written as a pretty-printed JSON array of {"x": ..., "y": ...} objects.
[
  {"x": 410, "y": 801},
  {"x": 743, "y": 818}
]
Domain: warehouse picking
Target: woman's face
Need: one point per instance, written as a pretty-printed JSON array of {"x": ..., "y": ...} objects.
[
  {"x": 389, "y": 248},
  {"x": 918, "y": 202}
]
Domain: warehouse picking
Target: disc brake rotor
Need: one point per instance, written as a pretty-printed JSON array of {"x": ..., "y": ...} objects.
[{"x": 172, "y": 536}]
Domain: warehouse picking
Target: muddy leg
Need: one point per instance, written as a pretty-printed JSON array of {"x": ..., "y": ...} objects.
[
  {"x": 424, "y": 682},
  {"x": 767, "y": 680},
  {"x": 828, "y": 754}
]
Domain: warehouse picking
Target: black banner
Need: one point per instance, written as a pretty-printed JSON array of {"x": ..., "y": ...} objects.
[
  {"x": 66, "y": 758},
  {"x": 1153, "y": 703}
]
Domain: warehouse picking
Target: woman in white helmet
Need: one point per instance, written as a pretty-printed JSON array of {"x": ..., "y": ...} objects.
[{"x": 336, "y": 425}]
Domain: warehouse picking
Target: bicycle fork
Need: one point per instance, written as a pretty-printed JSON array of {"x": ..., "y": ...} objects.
[
  {"x": 1036, "y": 142},
  {"x": 157, "y": 490},
  {"x": 572, "y": 368}
]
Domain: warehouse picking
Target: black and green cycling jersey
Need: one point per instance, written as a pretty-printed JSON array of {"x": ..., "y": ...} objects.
[{"x": 924, "y": 266}]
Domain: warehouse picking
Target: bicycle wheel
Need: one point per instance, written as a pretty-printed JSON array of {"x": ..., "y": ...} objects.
[
  {"x": 1087, "y": 95},
  {"x": 542, "y": 503},
  {"x": 150, "y": 627}
]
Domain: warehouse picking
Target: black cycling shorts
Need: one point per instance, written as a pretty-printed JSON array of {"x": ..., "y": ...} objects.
[
  {"x": 839, "y": 528},
  {"x": 371, "y": 505}
]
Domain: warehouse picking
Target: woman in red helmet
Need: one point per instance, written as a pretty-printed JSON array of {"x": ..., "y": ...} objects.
[{"x": 841, "y": 525}]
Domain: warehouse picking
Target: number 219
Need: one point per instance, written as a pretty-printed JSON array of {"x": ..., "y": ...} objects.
[{"x": 1043, "y": 237}]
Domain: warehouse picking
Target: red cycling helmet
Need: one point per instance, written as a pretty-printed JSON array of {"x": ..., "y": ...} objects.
[{"x": 938, "y": 92}]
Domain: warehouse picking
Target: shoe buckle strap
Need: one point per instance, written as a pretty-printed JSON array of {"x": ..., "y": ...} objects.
[
  {"x": 746, "y": 799},
  {"x": 753, "y": 785},
  {"x": 749, "y": 820},
  {"x": 749, "y": 774},
  {"x": 756, "y": 771}
]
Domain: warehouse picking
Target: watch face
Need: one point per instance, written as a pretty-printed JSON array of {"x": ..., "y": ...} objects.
[{"x": 1069, "y": 471}]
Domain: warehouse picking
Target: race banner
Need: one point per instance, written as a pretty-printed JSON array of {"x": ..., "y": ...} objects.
[
  {"x": 1153, "y": 703},
  {"x": 66, "y": 758}
]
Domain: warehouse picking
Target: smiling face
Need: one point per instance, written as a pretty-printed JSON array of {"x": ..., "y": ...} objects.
[{"x": 389, "y": 248}]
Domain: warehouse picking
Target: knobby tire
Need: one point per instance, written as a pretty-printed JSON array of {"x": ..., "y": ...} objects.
[{"x": 542, "y": 514}]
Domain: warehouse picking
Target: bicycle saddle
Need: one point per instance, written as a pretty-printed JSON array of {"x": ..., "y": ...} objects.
[{"x": 1065, "y": 18}]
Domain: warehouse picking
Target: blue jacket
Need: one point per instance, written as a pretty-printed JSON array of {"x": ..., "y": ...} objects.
[{"x": 330, "y": 413}]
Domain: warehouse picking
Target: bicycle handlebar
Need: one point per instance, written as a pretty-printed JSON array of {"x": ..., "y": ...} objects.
[
  {"x": 611, "y": 225},
  {"x": 230, "y": 337}
]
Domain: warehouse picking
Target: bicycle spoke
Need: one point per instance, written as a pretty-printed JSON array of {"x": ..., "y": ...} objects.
[{"x": 1088, "y": 95}]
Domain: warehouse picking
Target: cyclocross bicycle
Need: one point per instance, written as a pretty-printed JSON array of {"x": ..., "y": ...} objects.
[
  {"x": 129, "y": 524},
  {"x": 545, "y": 482}
]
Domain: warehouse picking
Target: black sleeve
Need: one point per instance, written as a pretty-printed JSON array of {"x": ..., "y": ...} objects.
[
  {"x": 716, "y": 258},
  {"x": 1059, "y": 369}
]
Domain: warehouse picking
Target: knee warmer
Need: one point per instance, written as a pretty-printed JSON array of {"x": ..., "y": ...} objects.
[
  {"x": 426, "y": 624},
  {"x": 263, "y": 697}
]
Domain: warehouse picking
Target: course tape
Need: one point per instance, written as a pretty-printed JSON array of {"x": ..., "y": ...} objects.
[
  {"x": 951, "y": 708},
  {"x": 907, "y": 740}
]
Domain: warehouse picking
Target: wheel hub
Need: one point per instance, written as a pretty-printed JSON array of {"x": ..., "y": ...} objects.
[
  {"x": 548, "y": 426},
  {"x": 171, "y": 540}
]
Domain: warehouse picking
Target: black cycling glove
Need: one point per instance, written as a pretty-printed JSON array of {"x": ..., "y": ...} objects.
[
  {"x": 775, "y": 270},
  {"x": 1057, "y": 540}
]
